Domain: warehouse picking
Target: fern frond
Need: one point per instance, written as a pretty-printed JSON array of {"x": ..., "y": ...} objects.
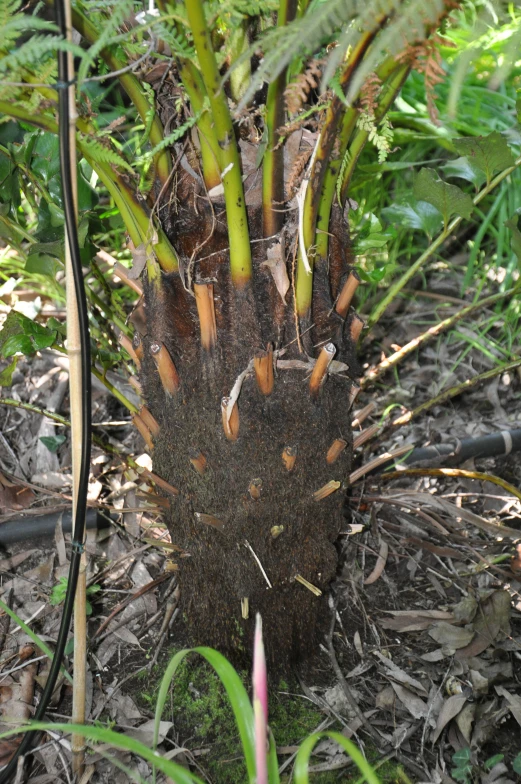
[
  {"x": 31, "y": 53},
  {"x": 118, "y": 13},
  {"x": 172, "y": 138},
  {"x": 101, "y": 154}
]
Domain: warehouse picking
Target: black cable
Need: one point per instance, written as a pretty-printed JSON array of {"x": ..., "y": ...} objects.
[{"x": 81, "y": 502}]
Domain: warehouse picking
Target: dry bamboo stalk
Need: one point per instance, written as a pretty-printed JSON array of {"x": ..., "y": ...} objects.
[
  {"x": 255, "y": 489},
  {"x": 122, "y": 274},
  {"x": 166, "y": 368},
  {"x": 76, "y": 394},
  {"x": 208, "y": 519},
  {"x": 132, "y": 380},
  {"x": 263, "y": 365},
  {"x": 143, "y": 429},
  {"x": 149, "y": 420},
  {"x": 137, "y": 345},
  {"x": 198, "y": 460},
  {"x": 366, "y": 435},
  {"x": 289, "y": 456},
  {"x": 335, "y": 450},
  {"x": 206, "y": 311},
  {"x": 346, "y": 295},
  {"x": 362, "y": 414},
  {"x": 319, "y": 372},
  {"x": 245, "y": 608},
  {"x": 230, "y": 425},
  {"x": 372, "y": 464},
  {"x": 356, "y": 327},
  {"x": 326, "y": 490},
  {"x": 308, "y": 585}
]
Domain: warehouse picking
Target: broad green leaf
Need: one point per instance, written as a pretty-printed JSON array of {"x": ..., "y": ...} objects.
[
  {"x": 57, "y": 216},
  {"x": 237, "y": 696},
  {"x": 448, "y": 199},
  {"x": 6, "y": 375},
  {"x": 52, "y": 443},
  {"x": 370, "y": 235},
  {"x": 515, "y": 241},
  {"x": 465, "y": 170},
  {"x": 46, "y": 156},
  {"x": 493, "y": 761},
  {"x": 489, "y": 153},
  {"x": 421, "y": 215},
  {"x": 518, "y": 117},
  {"x": 17, "y": 343},
  {"x": 516, "y": 764},
  {"x": 42, "y": 264},
  {"x": 462, "y": 756}
]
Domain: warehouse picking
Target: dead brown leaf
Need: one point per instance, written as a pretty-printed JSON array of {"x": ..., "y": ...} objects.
[
  {"x": 492, "y": 619},
  {"x": 414, "y": 620},
  {"x": 453, "y": 636},
  {"x": 380, "y": 563},
  {"x": 450, "y": 709}
]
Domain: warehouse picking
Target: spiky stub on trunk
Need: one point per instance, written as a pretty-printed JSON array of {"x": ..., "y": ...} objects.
[{"x": 246, "y": 436}]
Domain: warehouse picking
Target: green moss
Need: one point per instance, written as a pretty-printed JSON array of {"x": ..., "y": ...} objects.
[{"x": 203, "y": 720}]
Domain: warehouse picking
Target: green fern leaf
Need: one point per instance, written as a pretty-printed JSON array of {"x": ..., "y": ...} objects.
[
  {"x": 118, "y": 13},
  {"x": 102, "y": 154},
  {"x": 172, "y": 138}
]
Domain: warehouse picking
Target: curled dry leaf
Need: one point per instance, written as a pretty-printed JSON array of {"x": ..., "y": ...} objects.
[
  {"x": 380, "y": 563},
  {"x": 414, "y": 704},
  {"x": 277, "y": 266},
  {"x": 513, "y": 702}
]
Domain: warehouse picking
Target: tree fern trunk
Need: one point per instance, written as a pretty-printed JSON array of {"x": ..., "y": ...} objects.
[{"x": 245, "y": 518}]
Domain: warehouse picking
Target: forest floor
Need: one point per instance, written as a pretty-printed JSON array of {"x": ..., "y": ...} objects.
[{"x": 422, "y": 664}]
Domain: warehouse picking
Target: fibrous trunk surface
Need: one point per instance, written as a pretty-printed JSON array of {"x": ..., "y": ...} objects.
[{"x": 245, "y": 519}]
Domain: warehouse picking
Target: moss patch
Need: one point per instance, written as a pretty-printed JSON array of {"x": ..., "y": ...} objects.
[{"x": 204, "y": 723}]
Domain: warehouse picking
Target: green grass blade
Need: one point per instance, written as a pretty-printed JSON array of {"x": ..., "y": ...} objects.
[
  {"x": 304, "y": 753},
  {"x": 273, "y": 763},
  {"x": 34, "y": 637},
  {"x": 119, "y": 741},
  {"x": 237, "y": 695}
]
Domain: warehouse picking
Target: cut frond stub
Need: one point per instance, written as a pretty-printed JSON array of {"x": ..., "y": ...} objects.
[
  {"x": 353, "y": 393},
  {"x": 362, "y": 414},
  {"x": 355, "y": 328},
  {"x": 149, "y": 420},
  {"x": 137, "y": 345},
  {"x": 335, "y": 450},
  {"x": 347, "y": 293},
  {"x": 199, "y": 462},
  {"x": 289, "y": 456},
  {"x": 230, "y": 420},
  {"x": 366, "y": 435},
  {"x": 255, "y": 489},
  {"x": 245, "y": 608},
  {"x": 263, "y": 366},
  {"x": 326, "y": 490},
  {"x": 143, "y": 429},
  {"x": 206, "y": 311},
  {"x": 128, "y": 345},
  {"x": 166, "y": 368},
  {"x": 209, "y": 519},
  {"x": 320, "y": 369},
  {"x": 308, "y": 585}
]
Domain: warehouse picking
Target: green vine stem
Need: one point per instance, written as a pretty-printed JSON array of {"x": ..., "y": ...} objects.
[
  {"x": 437, "y": 329},
  {"x": 240, "y": 251},
  {"x": 273, "y": 161},
  {"x": 402, "y": 281},
  {"x": 313, "y": 185},
  {"x": 448, "y": 394},
  {"x": 133, "y": 212},
  {"x": 134, "y": 90},
  {"x": 114, "y": 390}
]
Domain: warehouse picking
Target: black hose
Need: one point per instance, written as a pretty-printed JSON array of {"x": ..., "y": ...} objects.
[
  {"x": 64, "y": 78},
  {"x": 20, "y": 529}
]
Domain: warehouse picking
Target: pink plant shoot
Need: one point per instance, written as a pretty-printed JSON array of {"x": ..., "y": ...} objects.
[{"x": 260, "y": 704}]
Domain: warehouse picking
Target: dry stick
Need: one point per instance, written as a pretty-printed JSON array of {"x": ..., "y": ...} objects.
[
  {"x": 366, "y": 435},
  {"x": 448, "y": 394},
  {"x": 122, "y": 274},
  {"x": 362, "y": 414},
  {"x": 372, "y": 464},
  {"x": 459, "y": 472},
  {"x": 121, "y": 606},
  {"x": 431, "y": 333}
]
